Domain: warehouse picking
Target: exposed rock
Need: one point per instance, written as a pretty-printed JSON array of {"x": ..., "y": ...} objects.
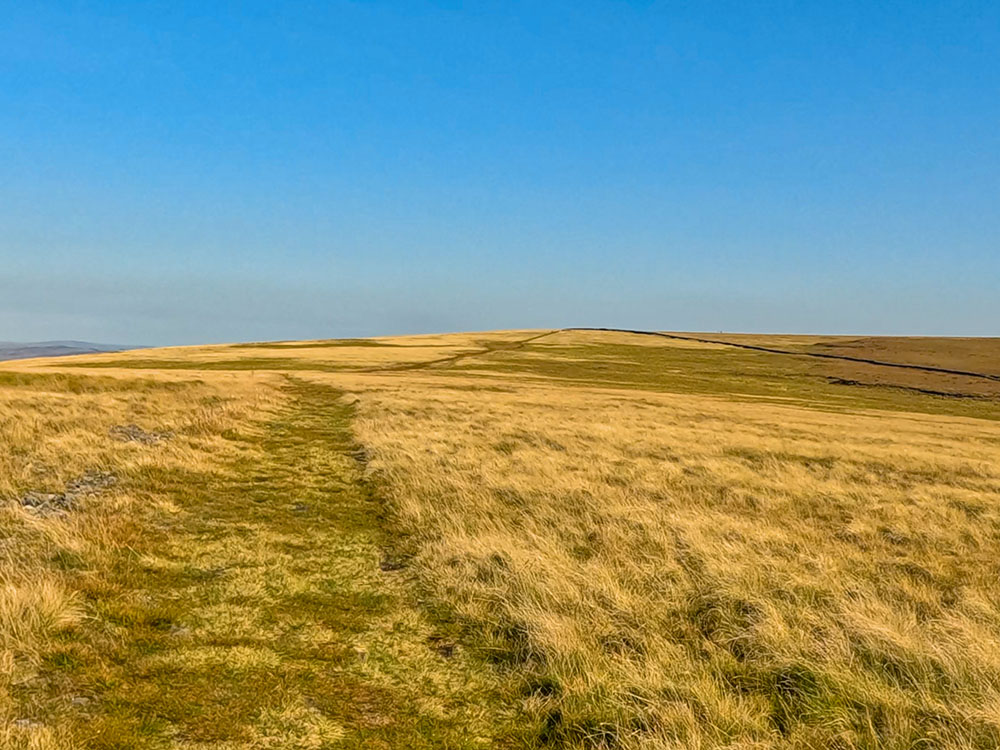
[
  {"x": 58, "y": 503},
  {"x": 47, "y": 503},
  {"x": 133, "y": 433},
  {"x": 390, "y": 563},
  {"x": 91, "y": 483}
]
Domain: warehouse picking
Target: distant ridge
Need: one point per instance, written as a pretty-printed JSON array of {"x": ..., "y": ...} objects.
[{"x": 27, "y": 350}]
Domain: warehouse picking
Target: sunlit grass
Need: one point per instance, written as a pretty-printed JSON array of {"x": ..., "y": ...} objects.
[
  {"x": 523, "y": 539},
  {"x": 695, "y": 571}
]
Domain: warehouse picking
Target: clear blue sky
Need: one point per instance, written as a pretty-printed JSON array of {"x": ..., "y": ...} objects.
[{"x": 177, "y": 171}]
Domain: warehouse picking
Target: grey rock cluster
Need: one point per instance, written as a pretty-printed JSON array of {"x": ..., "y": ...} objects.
[
  {"x": 132, "y": 433},
  {"x": 59, "y": 503}
]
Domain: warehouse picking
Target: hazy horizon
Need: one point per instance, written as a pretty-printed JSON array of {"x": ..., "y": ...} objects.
[{"x": 183, "y": 173}]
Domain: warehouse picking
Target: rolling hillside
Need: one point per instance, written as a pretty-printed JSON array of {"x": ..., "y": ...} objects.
[
  {"x": 13, "y": 350},
  {"x": 518, "y": 539}
]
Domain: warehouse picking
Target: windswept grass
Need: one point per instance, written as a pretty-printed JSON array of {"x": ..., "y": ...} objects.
[
  {"x": 54, "y": 429},
  {"x": 526, "y": 539},
  {"x": 228, "y": 591},
  {"x": 685, "y": 571}
]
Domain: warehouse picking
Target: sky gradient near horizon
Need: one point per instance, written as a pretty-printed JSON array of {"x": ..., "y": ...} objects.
[{"x": 182, "y": 172}]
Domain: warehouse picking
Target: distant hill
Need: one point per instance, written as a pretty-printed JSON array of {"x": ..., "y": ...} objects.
[{"x": 22, "y": 350}]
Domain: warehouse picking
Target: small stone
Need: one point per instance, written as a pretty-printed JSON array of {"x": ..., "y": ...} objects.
[{"x": 391, "y": 563}]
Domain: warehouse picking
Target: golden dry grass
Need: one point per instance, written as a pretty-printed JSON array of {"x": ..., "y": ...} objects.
[
  {"x": 53, "y": 429},
  {"x": 225, "y": 592},
  {"x": 689, "y": 571},
  {"x": 622, "y": 541}
]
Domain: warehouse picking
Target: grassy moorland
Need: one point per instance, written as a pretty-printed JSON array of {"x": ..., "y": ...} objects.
[{"x": 569, "y": 539}]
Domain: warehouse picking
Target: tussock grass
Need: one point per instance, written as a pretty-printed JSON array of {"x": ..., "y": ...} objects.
[
  {"x": 668, "y": 571},
  {"x": 571, "y": 540},
  {"x": 54, "y": 429}
]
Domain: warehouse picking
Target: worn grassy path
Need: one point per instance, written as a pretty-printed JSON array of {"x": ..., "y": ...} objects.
[{"x": 257, "y": 613}]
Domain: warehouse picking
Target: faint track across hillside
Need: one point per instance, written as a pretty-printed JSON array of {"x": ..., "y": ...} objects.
[{"x": 503, "y": 346}]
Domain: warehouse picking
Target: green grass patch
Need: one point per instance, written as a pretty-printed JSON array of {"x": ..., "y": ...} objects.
[{"x": 731, "y": 372}]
